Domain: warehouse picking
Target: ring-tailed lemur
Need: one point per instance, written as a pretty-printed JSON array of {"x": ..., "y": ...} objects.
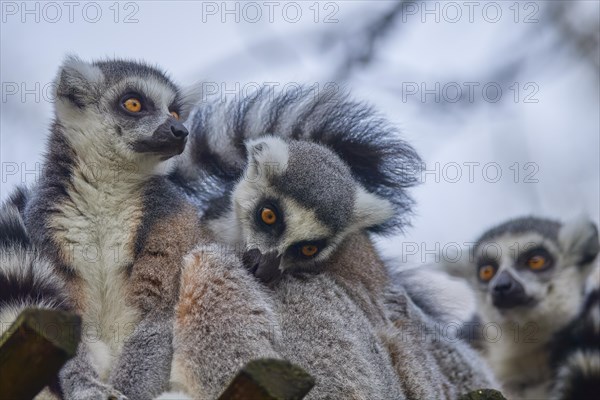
[
  {"x": 297, "y": 210},
  {"x": 529, "y": 275},
  {"x": 110, "y": 224}
]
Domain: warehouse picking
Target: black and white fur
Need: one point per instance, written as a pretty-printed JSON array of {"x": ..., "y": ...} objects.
[
  {"x": 358, "y": 176},
  {"x": 548, "y": 346},
  {"x": 27, "y": 278},
  {"x": 575, "y": 354},
  {"x": 334, "y": 172},
  {"x": 381, "y": 162},
  {"x": 93, "y": 215}
]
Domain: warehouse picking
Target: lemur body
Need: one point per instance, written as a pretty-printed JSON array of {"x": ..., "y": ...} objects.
[
  {"x": 297, "y": 209},
  {"x": 112, "y": 225},
  {"x": 529, "y": 275}
]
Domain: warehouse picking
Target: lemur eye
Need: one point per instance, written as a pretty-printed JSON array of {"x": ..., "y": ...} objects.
[
  {"x": 536, "y": 262},
  {"x": 309, "y": 250},
  {"x": 268, "y": 216},
  {"x": 133, "y": 105},
  {"x": 174, "y": 114},
  {"x": 486, "y": 272}
]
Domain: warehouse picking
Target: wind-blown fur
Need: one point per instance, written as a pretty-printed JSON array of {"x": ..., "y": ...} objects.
[{"x": 216, "y": 157}]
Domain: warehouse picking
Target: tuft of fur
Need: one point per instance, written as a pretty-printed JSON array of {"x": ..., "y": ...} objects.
[
  {"x": 27, "y": 278},
  {"x": 216, "y": 157},
  {"x": 443, "y": 298}
]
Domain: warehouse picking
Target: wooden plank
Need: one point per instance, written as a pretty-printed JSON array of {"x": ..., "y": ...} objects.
[
  {"x": 33, "y": 350},
  {"x": 269, "y": 379}
]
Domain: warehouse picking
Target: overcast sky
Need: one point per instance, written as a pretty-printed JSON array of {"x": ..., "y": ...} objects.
[{"x": 503, "y": 109}]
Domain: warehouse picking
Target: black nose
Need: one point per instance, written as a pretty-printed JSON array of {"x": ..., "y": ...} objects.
[
  {"x": 504, "y": 284},
  {"x": 179, "y": 131},
  {"x": 265, "y": 267},
  {"x": 508, "y": 292}
]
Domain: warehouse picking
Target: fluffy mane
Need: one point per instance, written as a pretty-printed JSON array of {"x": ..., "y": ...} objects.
[{"x": 215, "y": 158}]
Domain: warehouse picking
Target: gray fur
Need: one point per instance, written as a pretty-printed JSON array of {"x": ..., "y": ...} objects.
[
  {"x": 27, "y": 278},
  {"x": 529, "y": 364},
  {"x": 545, "y": 227},
  {"x": 327, "y": 314},
  {"x": 432, "y": 351},
  {"x": 224, "y": 319},
  {"x": 146, "y": 359},
  {"x": 103, "y": 192},
  {"x": 317, "y": 179},
  {"x": 378, "y": 158}
]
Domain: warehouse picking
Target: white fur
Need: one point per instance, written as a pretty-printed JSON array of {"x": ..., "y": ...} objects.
[
  {"x": 519, "y": 357},
  {"x": 575, "y": 235},
  {"x": 303, "y": 224},
  {"x": 161, "y": 94},
  {"x": 370, "y": 210},
  {"x": 454, "y": 298},
  {"x": 98, "y": 223},
  {"x": 13, "y": 263},
  {"x": 10, "y": 312},
  {"x": 87, "y": 71},
  {"x": 266, "y": 156},
  {"x": 173, "y": 396},
  {"x": 100, "y": 355}
]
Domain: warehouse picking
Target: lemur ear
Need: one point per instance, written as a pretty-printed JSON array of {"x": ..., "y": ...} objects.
[
  {"x": 76, "y": 82},
  {"x": 370, "y": 210},
  {"x": 579, "y": 239},
  {"x": 190, "y": 97},
  {"x": 269, "y": 150}
]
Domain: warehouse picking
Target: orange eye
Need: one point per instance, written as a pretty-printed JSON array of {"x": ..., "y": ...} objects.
[
  {"x": 309, "y": 250},
  {"x": 486, "y": 272},
  {"x": 268, "y": 216},
  {"x": 536, "y": 262},
  {"x": 133, "y": 105},
  {"x": 174, "y": 114}
]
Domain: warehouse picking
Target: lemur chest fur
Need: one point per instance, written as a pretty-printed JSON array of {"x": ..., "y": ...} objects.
[
  {"x": 96, "y": 228},
  {"x": 519, "y": 360}
]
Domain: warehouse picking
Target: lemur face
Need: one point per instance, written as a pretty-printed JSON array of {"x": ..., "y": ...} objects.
[
  {"x": 517, "y": 270},
  {"x": 533, "y": 266},
  {"x": 296, "y": 202},
  {"x": 135, "y": 108}
]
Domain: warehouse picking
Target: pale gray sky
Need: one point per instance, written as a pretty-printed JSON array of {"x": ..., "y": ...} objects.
[{"x": 541, "y": 133}]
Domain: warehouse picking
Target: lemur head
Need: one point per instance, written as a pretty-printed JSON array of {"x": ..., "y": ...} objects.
[
  {"x": 120, "y": 109},
  {"x": 532, "y": 269},
  {"x": 295, "y": 204}
]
